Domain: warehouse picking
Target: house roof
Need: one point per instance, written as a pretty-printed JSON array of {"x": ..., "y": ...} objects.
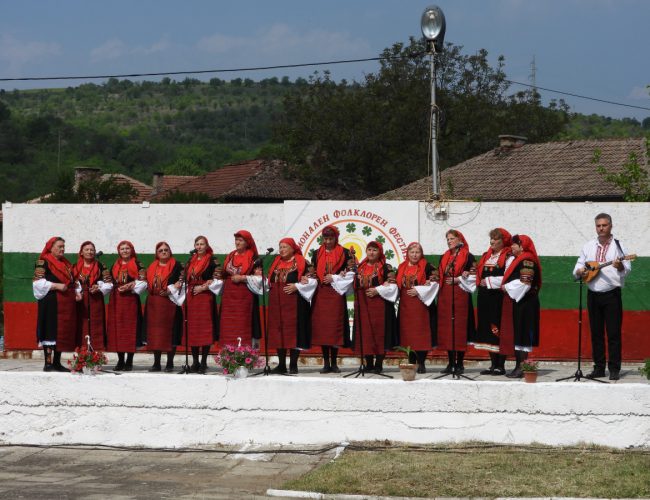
[
  {"x": 143, "y": 191},
  {"x": 250, "y": 180},
  {"x": 170, "y": 182},
  {"x": 532, "y": 172},
  {"x": 219, "y": 181}
]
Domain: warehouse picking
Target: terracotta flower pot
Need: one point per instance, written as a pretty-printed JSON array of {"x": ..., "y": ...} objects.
[
  {"x": 408, "y": 371},
  {"x": 530, "y": 377}
]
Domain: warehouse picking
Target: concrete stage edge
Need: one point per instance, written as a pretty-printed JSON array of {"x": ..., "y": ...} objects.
[{"x": 174, "y": 411}]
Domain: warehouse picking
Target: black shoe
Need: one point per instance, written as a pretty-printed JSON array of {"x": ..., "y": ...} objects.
[
  {"x": 279, "y": 370},
  {"x": 119, "y": 367},
  {"x": 516, "y": 373},
  {"x": 614, "y": 375},
  {"x": 194, "y": 368},
  {"x": 335, "y": 369},
  {"x": 498, "y": 371},
  {"x": 293, "y": 370},
  {"x": 460, "y": 369},
  {"x": 128, "y": 367},
  {"x": 47, "y": 367},
  {"x": 325, "y": 369},
  {"x": 169, "y": 368},
  {"x": 378, "y": 370},
  {"x": 421, "y": 369},
  {"x": 155, "y": 368},
  {"x": 58, "y": 367},
  {"x": 448, "y": 369},
  {"x": 596, "y": 373},
  {"x": 202, "y": 369},
  {"x": 488, "y": 371}
]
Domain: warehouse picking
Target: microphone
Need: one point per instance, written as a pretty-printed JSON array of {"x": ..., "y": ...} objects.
[
  {"x": 269, "y": 250},
  {"x": 459, "y": 246},
  {"x": 99, "y": 254},
  {"x": 193, "y": 251}
]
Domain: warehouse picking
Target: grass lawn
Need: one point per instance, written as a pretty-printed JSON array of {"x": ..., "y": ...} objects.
[{"x": 482, "y": 470}]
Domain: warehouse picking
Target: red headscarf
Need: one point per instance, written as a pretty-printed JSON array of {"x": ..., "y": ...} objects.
[
  {"x": 196, "y": 267},
  {"x": 93, "y": 274},
  {"x": 421, "y": 267},
  {"x": 461, "y": 259},
  {"x": 301, "y": 263},
  {"x": 246, "y": 260},
  {"x": 507, "y": 240},
  {"x": 155, "y": 268},
  {"x": 61, "y": 268},
  {"x": 382, "y": 258},
  {"x": 529, "y": 253},
  {"x": 337, "y": 254},
  {"x": 131, "y": 266}
]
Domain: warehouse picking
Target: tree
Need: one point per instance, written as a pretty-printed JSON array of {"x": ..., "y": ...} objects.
[
  {"x": 374, "y": 135},
  {"x": 96, "y": 190},
  {"x": 633, "y": 178}
]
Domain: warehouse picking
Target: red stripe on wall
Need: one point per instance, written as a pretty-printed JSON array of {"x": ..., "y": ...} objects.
[{"x": 559, "y": 339}]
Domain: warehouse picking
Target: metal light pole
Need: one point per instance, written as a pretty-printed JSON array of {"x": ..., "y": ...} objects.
[{"x": 433, "y": 28}]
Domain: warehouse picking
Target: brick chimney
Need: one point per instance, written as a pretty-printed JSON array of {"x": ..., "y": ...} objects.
[
  {"x": 508, "y": 142},
  {"x": 82, "y": 174},
  {"x": 157, "y": 183}
]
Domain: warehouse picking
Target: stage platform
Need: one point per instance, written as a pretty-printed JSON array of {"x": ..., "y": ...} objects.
[{"x": 161, "y": 410}]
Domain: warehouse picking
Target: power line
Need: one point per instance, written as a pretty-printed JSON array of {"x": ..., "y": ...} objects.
[{"x": 289, "y": 66}]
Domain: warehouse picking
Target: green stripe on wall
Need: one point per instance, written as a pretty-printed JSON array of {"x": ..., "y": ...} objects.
[{"x": 559, "y": 290}]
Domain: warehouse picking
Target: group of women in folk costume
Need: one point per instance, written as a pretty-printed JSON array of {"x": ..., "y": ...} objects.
[{"x": 307, "y": 303}]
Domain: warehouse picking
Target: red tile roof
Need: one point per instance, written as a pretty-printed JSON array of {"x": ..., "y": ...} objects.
[
  {"x": 169, "y": 182},
  {"x": 143, "y": 191},
  {"x": 533, "y": 172}
]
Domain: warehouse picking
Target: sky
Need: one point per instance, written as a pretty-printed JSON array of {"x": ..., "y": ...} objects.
[{"x": 595, "y": 48}]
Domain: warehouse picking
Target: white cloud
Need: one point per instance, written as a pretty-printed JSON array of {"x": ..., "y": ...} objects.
[
  {"x": 116, "y": 48},
  {"x": 282, "y": 40},
  {"x": 111, "y": 49},
  {"x": 640, "y": 92},
  {"x": 18, "y": 52}
]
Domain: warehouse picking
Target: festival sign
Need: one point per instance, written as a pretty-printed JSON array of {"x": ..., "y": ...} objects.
[{"x": 392, "y": 223}]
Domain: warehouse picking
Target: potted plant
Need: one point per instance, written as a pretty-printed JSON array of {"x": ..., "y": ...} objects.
[
  {"x": 529, "y": 367},
  {"x": 238, "y": 360},
  {"x": 87, "y": 361},
  {"x": 406, "y": 368},
  {"x": 645, "y": 369}
]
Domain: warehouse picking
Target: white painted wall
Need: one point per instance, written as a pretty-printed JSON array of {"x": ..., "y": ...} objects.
[
  {"x": 172, "y": 411},
  {"x": 558, "y": 229}
]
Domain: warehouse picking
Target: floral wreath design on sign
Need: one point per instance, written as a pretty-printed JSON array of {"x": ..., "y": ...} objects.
[{"x": 357, "y": 234}]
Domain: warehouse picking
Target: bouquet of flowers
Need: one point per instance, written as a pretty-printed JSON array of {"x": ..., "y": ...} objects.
[
  {"x": 84, "y": 358},
  {"x": 232, "y": 357}
]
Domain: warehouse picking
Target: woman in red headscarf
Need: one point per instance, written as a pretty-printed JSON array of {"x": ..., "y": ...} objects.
[
  {"x": 95, "y": 281},
  {"x": 163, "y": 317},
  {"x": 330, "y": 326},
  {"x": 289, "y": 324},
  {"x": 458, "y": 278},
  {"x": 375, "y": 328},
  {"x": 240, "y": 313},
  {"x": 521, "y": 284},
  {"x": 53, "y": 287},
  {"x": 124, "y": 325},
  {"x": 203, "y": 272},
  {"x": 416, "y": 316},
  {"x": 489, "y": 278}
]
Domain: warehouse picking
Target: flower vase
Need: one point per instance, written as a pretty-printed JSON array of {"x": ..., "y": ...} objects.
[
  {"x": 241, "y": 372},
  {"x": 530, "y": 377},
  {"x": 408, "y": 371}
]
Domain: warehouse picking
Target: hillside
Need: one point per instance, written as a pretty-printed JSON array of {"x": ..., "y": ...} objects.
[{"x": 184, "y": 127}]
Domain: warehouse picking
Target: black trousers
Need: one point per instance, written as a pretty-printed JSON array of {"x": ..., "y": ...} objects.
[{"x": 606, "y": 313}]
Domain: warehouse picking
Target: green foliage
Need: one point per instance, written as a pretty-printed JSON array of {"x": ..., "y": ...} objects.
[
  {"x": 374, "y": 135},
  {"x": 645, "y": 369},
  {"x": 632, "y": 179},
  {"x": 96, "y": 190}
]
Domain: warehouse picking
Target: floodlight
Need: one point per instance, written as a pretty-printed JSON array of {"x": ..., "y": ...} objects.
[{"x": 433, "y": 26}]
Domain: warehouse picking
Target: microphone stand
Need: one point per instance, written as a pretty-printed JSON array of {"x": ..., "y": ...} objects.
[
  {"x": 267, "y": 369},
  {"x": 454, "y": 368},
  {"x": 185, "y": 369},
  {"x": 578, "y": 376}
]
